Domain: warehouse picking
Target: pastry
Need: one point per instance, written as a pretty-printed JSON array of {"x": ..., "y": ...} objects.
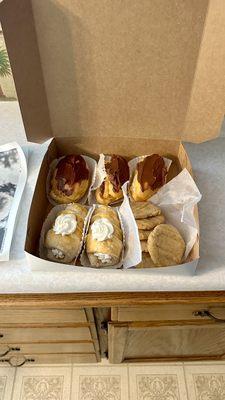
[
  {"x": 142, "y": 209},
  {"x": 63, "y": 240},
  {"x": 144, "y": 247},
  {"x": 143, "y": 235},
  {"x": 149, "y": 176},
  {"x": 117, "y": 171},
  {"x": 104, "y": 241},
  {"x": 166, "y": 246},
  {"x": 70, "y": 179},
  {"x": 146, "y": 261},
  {"x": 150, "y": 223},
  {"x": 106, "y": 212}
]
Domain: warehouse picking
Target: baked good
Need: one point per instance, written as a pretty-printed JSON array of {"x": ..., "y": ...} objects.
[
  {"x": 70, "y": 179},
  {"x": 166, "y": 245},
  {"x": 150, "y": 223},
  {"x": 106, "y": 212},
  {"x": 117, "y": 171},
  {"x": 104, "y": 241},
  {"x": 146, "y": 261},
  {"x": 63, "y": 241},
  {"x": 142, "y": 209},
  {"x": 149, "y": 176},
  {"x": 143, "y": 235},
  {"x": 144, "y": 247}
]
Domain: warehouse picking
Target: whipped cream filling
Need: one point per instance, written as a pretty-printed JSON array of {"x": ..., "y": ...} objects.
[
  {"x": 102, "y": 229},
  {"x": 58, "y": 254},
  {"x": 104, "y": 258},
  {"x": 65, "y": 224}
]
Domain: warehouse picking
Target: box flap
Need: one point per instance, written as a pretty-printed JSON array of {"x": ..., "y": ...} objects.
[
  {"x": 18, "y": 27},
  {"x": 150, "y": 68}
]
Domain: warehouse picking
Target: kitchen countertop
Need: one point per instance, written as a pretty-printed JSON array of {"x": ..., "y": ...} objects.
[{"x": 208, "y": 161}]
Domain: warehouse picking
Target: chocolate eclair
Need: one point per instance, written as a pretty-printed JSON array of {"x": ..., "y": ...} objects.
[
  {"x": 70, "y": 179},
  {"x": 117, "y": 173},
  {"x": 149, "y": 176}
]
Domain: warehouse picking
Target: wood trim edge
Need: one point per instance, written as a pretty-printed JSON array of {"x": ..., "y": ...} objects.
[{"x": 108, "y": 299}]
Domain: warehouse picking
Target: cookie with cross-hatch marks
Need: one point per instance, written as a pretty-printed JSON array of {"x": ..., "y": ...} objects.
[
  {"x": 166, "y": 245},
  {"x": 150, "y": 223},
  {"x": 143, "y": 235},
  {"x": 144, "y": 209}
]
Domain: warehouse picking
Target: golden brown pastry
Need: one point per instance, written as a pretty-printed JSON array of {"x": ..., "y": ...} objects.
[
  {"x": 117, "y": 171},
  {"x": 149, "y": 176},
  {"x": 104, "y": 241},
  {"x": 166, "y": 245},
  {"x": 106, "y": 212},
  {"x": 70, "y": 179},
  {"x": 63, "y": 240}
]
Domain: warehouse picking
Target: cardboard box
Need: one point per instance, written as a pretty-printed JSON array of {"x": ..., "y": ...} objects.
[{"x": 130, "y": 77}]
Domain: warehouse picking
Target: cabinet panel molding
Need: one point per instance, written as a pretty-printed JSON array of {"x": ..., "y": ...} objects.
[
  {"x": 169, "y": 341},
  {"x": 117, "y": 342},
  {"x": 54, "y": 334},
  {"x": 41, "y": 316},
  {"x": 164, "y": 312}
]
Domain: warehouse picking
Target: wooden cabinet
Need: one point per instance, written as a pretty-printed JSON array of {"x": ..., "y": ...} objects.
[
  {"x": 168, "y": 312},
  {"x": 48, "y": 335},
  {"x": 125, "y": 327},
  {"x": 133, "y": 342},
  {"x": 167, "y": 332}
]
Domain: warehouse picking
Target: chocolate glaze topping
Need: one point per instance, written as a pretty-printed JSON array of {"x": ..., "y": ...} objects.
[
  {"x": 151, "y": 172},
  {"x": 70, "y": 169},
  {"x": 118, "y": 172}
]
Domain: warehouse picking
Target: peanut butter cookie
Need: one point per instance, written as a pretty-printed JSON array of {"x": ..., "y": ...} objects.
[
  {"x": 146, "y": 261},
  {"x": 143, "y": 235},
  {"x": 166, "y": 246},
  {"x": 143, "y": 209},
  {"x": 150, "y": 223}
]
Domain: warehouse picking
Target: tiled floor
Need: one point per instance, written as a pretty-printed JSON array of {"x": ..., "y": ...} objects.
[{"x": 175, "y": 381}]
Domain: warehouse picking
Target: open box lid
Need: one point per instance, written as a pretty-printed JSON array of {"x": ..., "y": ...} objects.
[{"x": 150, "y": 68}]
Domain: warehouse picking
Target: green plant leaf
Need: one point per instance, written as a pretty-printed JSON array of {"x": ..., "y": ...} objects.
[{"x": 5, "y": 69}]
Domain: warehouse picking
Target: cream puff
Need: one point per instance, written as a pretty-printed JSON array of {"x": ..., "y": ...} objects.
[
  {"x": 70, "y": 179},
  {"x": 63, "y": 241},
  {"x": 117, "y": 173},
  {"x": 104, "y": 241},
  {"x": 149, "y": 176}
]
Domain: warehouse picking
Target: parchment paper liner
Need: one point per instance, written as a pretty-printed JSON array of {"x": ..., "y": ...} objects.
[
  {"x": 177, "y": 200},
  {"x": 92, "y": 166},
  {"x": 48, "y": 223}
]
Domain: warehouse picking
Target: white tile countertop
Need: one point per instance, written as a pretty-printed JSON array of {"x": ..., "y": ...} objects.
[{"x": 208, "y": 161}]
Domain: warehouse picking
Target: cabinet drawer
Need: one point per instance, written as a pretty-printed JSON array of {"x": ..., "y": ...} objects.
[
  {"x": 32, "y": 359},
  {"x": 164, "y": 312},
  {"x": 52, "y": 334},
  {"x": 46, "y": 348},
  {"x": 41, "y": 316},
  {"x": 194, "y": 340}
]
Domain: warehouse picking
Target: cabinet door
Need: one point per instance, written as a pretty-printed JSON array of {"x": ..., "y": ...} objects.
[{"x": 171, "y": 341}]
